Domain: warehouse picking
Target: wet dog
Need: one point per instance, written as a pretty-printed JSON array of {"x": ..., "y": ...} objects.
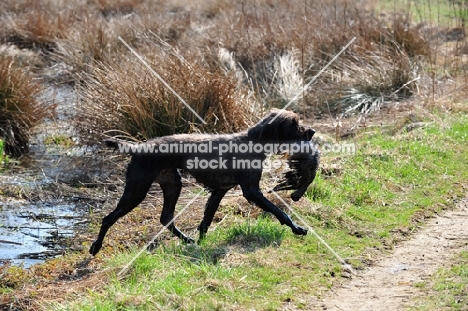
[{"x": 219, "y": 162}]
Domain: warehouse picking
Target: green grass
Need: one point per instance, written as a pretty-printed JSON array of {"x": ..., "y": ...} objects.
[
  {"x": 261, "y": 232},
  {"x": 2, "y": 151},
  {"x": 59, "y": 140},
  {"x": 382, "y": 191},
  {"x": 3, "y": 156},
  {"x": 448, "y": 288},
  {"x": 444, "y": 13}
]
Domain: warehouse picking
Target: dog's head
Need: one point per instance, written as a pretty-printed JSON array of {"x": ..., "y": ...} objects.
[{"x": 280, "y": 126}]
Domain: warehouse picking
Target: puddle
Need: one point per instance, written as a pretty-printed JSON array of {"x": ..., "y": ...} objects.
[{"x": 31, "y": 232}]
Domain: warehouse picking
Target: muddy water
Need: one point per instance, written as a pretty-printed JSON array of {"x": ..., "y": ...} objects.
[{"x": 31, "y": 232}]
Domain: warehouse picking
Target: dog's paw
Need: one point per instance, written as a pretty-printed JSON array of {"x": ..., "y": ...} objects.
[
  {"x": 297, "y": 195},
  {"x": 299, "y": 230},
  {"x": 95, "y": 247}
]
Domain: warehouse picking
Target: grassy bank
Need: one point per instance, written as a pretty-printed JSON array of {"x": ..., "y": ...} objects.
[
  {"x": 443, "y": 13},
  {"x": 448, "y": 288},
  {"x": 361, "y": 207}
]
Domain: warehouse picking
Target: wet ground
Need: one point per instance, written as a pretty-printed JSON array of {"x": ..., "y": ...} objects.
[
  {"x": 41, "y": 226},
  {"x": 33, "y": 232}
]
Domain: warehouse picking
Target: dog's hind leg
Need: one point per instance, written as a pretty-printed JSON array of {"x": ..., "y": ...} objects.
[
  {"x": 170, "y": 183},
  {"x": 210, "y": 209},
  {"x": 138, "y": 182},
  {"x": 253, "y": 194}
]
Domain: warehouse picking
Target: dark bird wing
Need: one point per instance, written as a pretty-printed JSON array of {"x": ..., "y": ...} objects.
[{"x": 303, "y": 167}]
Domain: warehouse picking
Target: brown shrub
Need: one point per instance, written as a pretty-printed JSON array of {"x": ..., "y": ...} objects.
[
  {"x": 89, "y": 41},
  {"x": 368, "y": 81},
  {"x": 34, "y": 25},
  {"x": 109, "y": 8},
  {"x": 124, "y": 98},
  {"x": 274, "y": 48},
  {"x": 259, "y": 34},
  {"x": 19, "y": 108}
]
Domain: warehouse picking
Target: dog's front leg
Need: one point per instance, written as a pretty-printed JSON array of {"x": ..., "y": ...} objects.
[{"x": 254, "y": 195}]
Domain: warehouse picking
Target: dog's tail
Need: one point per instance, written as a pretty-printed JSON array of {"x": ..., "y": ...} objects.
[{"x": 120, "y": 145}]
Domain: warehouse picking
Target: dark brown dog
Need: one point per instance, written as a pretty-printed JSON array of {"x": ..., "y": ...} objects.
[{"x": 219, "y": 162}]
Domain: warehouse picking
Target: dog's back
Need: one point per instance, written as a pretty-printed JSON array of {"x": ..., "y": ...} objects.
[{"x": 151, "y": 163}]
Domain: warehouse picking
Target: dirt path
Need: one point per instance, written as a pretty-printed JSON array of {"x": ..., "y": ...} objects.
[{"x": 389, "y": 284}]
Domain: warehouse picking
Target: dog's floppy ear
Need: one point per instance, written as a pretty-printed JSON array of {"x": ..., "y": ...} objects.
[
  {"x": 257, "y": 131},
  {"x": 284, "y": 125}
]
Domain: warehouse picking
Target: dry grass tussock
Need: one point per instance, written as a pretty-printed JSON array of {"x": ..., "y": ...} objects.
[
  {"x": 124, "y": 98},
  {"x": 19, "y": 108},
  {"x": 35, "y": 25},
  {"x": 281, "y": 52},
  {"x": 364, "y": 89},
  {"x": 233, "y": 61}
]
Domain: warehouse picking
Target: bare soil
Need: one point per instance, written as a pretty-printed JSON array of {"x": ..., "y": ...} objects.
[{"x": 389, "y": 284}]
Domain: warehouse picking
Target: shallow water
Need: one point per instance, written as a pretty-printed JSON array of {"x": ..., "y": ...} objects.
[{"x": 31, "y": 232}]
